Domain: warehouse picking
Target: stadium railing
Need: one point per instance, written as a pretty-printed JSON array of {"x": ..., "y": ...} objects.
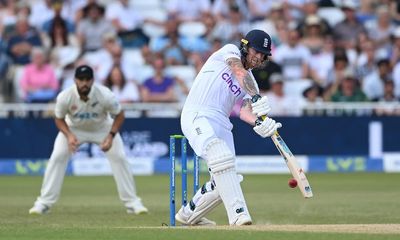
[{"x": 174, "y": 109}]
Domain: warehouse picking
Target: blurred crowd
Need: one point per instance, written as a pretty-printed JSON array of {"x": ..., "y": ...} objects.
[{"x": 150, "y": 51}]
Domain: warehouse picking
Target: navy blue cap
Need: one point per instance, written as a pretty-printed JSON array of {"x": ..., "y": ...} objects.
[{"x": 84, "y": 72}]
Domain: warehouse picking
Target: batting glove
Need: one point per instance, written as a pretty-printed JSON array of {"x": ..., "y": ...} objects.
[
  {"x": 267, "y": 127},
  {"x": 261, "y": 107}
]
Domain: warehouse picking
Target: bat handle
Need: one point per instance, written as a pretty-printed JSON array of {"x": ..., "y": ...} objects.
[{"x": 262, "y": 118}]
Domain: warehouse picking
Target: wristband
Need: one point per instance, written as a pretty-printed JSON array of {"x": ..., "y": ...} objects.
[{"x": 112, "y": 134}]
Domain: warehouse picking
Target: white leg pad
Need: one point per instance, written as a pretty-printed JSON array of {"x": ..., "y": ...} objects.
[
  {"x": 218, "y": 155},
  {"x": 221, "y": 162},
  {"x": 205, "y": 200}
]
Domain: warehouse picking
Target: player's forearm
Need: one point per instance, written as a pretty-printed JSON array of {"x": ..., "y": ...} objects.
[
  {"x": 246, "y": 114},
  {"x": 118, "y": 121},
  {"x": 243, "y": 76},
  {"x": 62, "y": 126}
]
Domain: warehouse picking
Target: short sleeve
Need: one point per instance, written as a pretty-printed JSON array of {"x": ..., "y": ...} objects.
[
  {"x": 61, "y": 108},
  {"x": 112, "y": 104},
  {"x": 230, "y": 51}
]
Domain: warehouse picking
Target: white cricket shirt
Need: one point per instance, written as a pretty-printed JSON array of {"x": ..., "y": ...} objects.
[
  {"x": 215, "y": 89},
  {"x": 90, "y": 115}
]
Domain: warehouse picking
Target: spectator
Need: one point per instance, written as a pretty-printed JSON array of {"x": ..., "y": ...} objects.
[
  {"x": 64, "y": 46},
  {"x": 347, "y": 90},
  {"x": 259, "y": 9},
  {"x": 366, "y": 60},
  {"x": 125, "y": 91},
  {"x": 127, "y": 21},
  {"x": 10, "y": 22},
  {"x": 220, "y": 8},
  {"x": 322, "y": 62},
  {"x": 310, "y": 8},
  {"x": 72, "y": 10},
  {"x": 21, "y": 42},
  {"x": 159, "y": 88},
  {"x": 41, "y": 12},
  {"x": 394, "y": 51},
  {"x": 8, "y": 14},
  {"x": 345, "y": 32},
  {"x": 188, "y": 10},
  {"x": 313, "y": 37},
  {"x": 395, "y": 11},
  {"x": 233, "y": 29},
  {"x": 293, "y": 57},
  {"x": 270, "y": 22},
  {"x": 373, "y": 84},
  {"x": 170, "y": 45},
  {"x": 294, "y": 9},
  {"x": 313, "y": 94},
  {"x": 396, "y": 79},
  {"x": 39, "y": 83},
  {"x": 48, "y": 25},
  {"x": 380, "y": 29},
  {"x": 59, "y": 35},
  {"x": 92, "y": 27},
  {"x": 284, "y": 105},
  {"x": 366, "y": 11},
  {"x": 340, "y": 66},
  {"x": 387, "y": 100},
  {"x": 103, "y": 59}
]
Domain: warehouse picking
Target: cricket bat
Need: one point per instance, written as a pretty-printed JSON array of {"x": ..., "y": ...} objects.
[
  {"x": 294, "y": 167},
  {"x": 296, "y": 171}
]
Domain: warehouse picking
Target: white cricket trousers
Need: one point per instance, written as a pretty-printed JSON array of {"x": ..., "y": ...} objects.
[{"x": 57, "y": 164}]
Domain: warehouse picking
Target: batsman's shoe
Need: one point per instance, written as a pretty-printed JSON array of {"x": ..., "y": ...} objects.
[
  {"x": 182, "y": 217},
  {"x": 243, "y": 219},
  {"x": 137, "y": 208},
  {"x": 39, "y": 209}
]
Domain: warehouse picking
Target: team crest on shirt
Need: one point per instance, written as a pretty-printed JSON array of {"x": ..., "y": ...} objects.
[
  {"x": 73, "y": 108},
  {"x": 266, "y": 42}
]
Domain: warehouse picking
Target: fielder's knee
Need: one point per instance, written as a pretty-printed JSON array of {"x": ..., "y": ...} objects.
[{"x": 219, "y": 157}]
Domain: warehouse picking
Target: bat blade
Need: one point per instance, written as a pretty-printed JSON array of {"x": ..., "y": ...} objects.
[{"x": 294, "y": 167}]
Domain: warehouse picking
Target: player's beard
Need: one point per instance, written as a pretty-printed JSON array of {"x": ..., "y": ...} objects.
[
  {"x": 84, "y": 91},
  {"x": 254, "y": 63}
]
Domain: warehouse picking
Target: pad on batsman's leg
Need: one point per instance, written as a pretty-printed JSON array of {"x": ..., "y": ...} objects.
[
  {"x": 205, "y": 200},
  {"x": 221, "y": 163}
]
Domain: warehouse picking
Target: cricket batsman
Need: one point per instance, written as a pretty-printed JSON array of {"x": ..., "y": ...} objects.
[
  {"x": 224, "y": 79},
  {"x": 83, "y": 114}
]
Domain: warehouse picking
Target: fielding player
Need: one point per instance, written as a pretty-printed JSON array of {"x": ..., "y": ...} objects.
[
  {"x": 83, "y": 115},
  {"x": 224, "y": 79}
]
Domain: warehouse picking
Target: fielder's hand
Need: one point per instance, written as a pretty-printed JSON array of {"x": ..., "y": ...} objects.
[
  {"x": 73, "y": 143},
  {"x": 267, "y": 127},
  {"x": 107, "y": 143},
  {"x": 261, "y": 106}
]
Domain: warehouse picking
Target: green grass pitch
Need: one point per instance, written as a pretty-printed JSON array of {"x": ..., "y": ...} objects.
[{"x": 345, "y": 206}]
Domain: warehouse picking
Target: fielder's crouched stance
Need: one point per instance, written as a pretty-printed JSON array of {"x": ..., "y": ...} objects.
[
  {"x": 83, "y": 115},
  {"x": 224, "y": 79}
]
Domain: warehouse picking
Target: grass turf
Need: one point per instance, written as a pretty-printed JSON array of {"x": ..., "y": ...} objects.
[{"x": 89, "y": 208}]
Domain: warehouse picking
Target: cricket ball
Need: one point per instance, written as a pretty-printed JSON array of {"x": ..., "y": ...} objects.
[{"x": 292, "y": 183}]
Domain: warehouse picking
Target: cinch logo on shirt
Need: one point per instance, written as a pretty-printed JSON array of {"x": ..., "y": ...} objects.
[{"x": 233, "y": 87}]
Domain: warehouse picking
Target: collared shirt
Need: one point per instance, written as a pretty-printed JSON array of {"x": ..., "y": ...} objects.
[{"x": 90, "y": 115}]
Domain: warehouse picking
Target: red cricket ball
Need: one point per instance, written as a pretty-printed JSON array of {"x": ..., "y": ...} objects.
[{"x": 292, "y": 183}]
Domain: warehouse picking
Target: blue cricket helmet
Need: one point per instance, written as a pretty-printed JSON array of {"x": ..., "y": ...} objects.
[{"x": 259, "y": 40}]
